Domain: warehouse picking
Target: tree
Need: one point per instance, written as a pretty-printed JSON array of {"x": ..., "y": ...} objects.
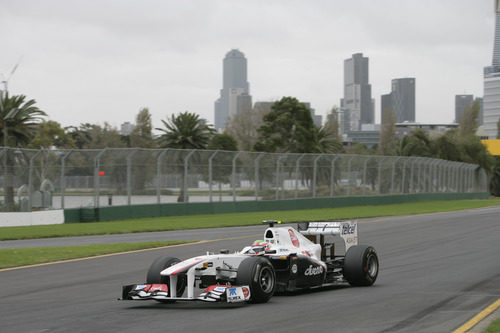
[
  {"x": 332, "y": 124},
  {"x": 50, "y": 134},
  {"x": 142, "y": 135},
  {"x": 495, "y": 179},
  {"x": 388, "y": 140},
  {"x": 468, "y": 122},
  {"x": 185, "y": 131},
  {"x": 222, "y": 168},
  {"x": 328, "y": 141},
  {"x": 498, "y": 129},
  {"x": 416, "y": 144},
  {"x": 243, "y": 126},
  {"x": 288, "y": 128},
  {"x": 18, "y": 119}
]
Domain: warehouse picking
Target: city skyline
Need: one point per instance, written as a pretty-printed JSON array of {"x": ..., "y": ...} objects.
[{"x": 87, "y": 66}]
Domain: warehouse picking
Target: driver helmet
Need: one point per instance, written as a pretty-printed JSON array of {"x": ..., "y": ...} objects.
[{"x": 259, "y": 246}]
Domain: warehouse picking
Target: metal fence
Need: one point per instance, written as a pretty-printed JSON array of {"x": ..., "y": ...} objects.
[{"x": 41, "y": 179}]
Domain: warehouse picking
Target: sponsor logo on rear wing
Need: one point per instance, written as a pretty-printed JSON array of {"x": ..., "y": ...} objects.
[{"x": 347, "y": 230}]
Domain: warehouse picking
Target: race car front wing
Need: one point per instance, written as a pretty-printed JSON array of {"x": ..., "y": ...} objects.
[{"x": 160, "y": 292}]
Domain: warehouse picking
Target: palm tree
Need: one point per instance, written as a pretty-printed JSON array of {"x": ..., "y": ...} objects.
[
  {"x": 185, "y": 131},
  {"x": 18, "y": 119}
]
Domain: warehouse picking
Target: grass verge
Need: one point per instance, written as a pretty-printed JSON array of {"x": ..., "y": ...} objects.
[
  {"x": 236, "y": 219},
  {"x": 38, "y": 255},
  {"x": 494, "y": 327}
]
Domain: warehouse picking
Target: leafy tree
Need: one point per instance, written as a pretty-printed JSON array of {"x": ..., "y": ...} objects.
[
  {"x": 495, "y": 178},
  {"x": 332, "y": 124},
  {"x": 469, "y": 121},
  {"x": 185, "y": 131},
  {"x": 80, "y": 135},
  {"x": 50, "y": 134},
  {"x": 243, "y": 127},
  {"x": 447, "y": 146},
  {"x": 18, "y": 119},
  {"x": 142, "y": 135},
  {"x": 224, "y": 141},
  {"x": 477, "y": 153},
  {"x": 388, "y": 140},
  {"x": 288, "y": 128},
  {"x": 222, "y": 168},
  {"x": 498, "y": 129},
  {"x": 416, "y": 144}
]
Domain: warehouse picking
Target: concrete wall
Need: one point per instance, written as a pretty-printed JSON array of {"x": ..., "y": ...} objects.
[{"x": 17, "y": 219}]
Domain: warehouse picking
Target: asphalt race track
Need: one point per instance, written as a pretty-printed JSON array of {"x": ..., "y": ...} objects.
[{"x": 437, "y": 271}]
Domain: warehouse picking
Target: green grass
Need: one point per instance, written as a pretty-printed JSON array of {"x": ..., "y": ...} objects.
[
  {"x": 235, "y": 219},
  {"x": 38, "y": 255},
  {"x": 494, "y": 327}
]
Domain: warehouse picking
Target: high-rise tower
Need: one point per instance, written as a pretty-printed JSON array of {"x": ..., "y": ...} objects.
[
  {"x": 357, "y": 99},
  {"x": 235, "y": 93},
  {"x": 401, "y": 100},
  {"x": 491, "y": 106}
]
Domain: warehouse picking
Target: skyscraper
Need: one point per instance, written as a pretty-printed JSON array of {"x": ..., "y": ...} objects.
[
  {"x": 235, "y": 93},
  {"x": 491, "y": 98},
  {"x": 461, "y": 103},
  {"x": 401, "y": 100},
  {"x": 357, "y": 92}
]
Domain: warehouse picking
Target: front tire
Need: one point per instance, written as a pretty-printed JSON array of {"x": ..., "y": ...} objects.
[
  {"x": 257, "y": 273},
  {"x": 361, "y": 265},
  {"x": 154, "y": 276}
]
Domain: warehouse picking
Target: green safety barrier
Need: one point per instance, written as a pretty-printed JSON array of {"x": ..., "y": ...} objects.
[{"x": 77, "y": 215}]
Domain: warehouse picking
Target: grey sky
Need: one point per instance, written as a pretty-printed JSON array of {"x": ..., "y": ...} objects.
[{"x": 96, "y": 61}]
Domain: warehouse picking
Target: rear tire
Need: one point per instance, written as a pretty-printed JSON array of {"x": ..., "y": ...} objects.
[
  {"x": 361, "y": 265},
  {"x": 154, "y": 276},
  {"x": 257, "y": 273}
]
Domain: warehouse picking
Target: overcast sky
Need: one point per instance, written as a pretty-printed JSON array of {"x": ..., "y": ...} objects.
[{"x": 97, "y": 61}]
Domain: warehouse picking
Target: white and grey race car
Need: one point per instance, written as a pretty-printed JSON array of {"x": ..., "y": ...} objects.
[{"x": 285, "y": 260}]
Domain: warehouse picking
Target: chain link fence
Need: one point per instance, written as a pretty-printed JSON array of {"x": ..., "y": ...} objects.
[{"x": 55, "y": 179}]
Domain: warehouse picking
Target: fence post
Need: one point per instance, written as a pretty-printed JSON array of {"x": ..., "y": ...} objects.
[
  {"x": 315, "y": 175},
  {"x": 97, "y": 185},
  {"x": 403, "y": 190},
  {"x": 63, "y": 179},
  {"x": 30, "y": 180},
  {"x": 364, "y": 174},
  {"x": 256, "y": 175},
  {"x": 394, "y": 172},
  {"x": 276, "y": 195},
  {"x": 297, "y": 168},
  {"x": 185, "y": 181},
  {"x": 380, "y": 174},
  {"x": 332, "y": 175},
  {"x": 210, "y": 174},
  {"x": 129, "y": 176},
  {"x": 349, "y": 175},
  {"x": 158, "y": 175},
  {"x": 233, "y": 175}
]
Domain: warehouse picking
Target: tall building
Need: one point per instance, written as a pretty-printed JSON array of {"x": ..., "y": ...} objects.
[
  {"x": 461, "y": 103},
  {"x": 235, "y": 93},
  {"x": 491, "y": 98},
  {"x": 357, "y": 92},
  {"x": 401, "y": 100}
]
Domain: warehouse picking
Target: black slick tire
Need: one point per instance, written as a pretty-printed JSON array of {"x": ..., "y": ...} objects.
[
  {"x": 361, "y": 265},
  {"x": 257, "y": 273},
  {"x": 153, "y": 276}
]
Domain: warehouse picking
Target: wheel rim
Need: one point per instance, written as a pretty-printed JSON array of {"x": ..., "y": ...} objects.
[
  {"x": 266, "y": 280},
  {"x": 372, "y": 266}
]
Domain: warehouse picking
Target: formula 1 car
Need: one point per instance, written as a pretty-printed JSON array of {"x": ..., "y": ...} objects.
[{"x": 285, "y": 260}]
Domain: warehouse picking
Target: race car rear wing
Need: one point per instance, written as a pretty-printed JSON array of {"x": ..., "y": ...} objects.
[{"x": 347, "y": 230}]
